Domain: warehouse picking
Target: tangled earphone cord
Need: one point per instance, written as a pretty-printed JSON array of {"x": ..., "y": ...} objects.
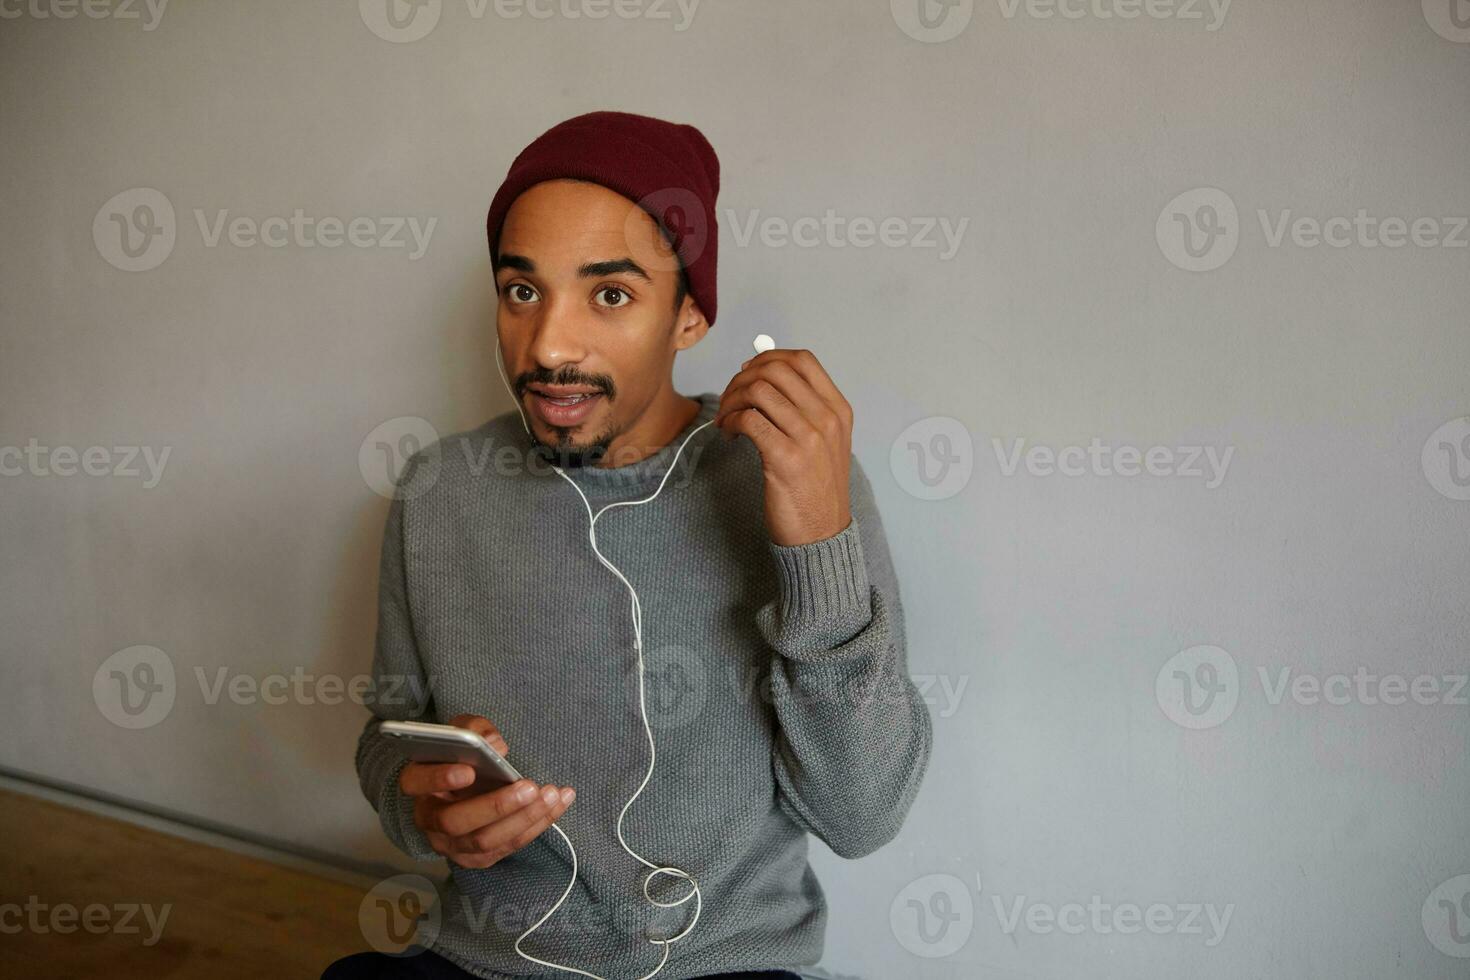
[{"x": 637, "y": 614}]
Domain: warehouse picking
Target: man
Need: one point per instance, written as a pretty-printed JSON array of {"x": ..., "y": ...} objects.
[{"x": 755, "y": 572}]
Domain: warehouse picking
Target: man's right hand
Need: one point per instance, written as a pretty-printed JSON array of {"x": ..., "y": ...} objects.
[{"x": 477, "y": 831}]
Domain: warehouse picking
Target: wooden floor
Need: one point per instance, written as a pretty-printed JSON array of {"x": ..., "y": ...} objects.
[{"x": 228, "y": 915}]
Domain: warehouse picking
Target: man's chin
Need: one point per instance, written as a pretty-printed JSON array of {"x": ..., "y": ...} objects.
[{"x": 571, "y": 456}]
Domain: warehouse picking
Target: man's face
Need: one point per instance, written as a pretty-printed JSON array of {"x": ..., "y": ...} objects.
[{"x": 586, "y": 290}]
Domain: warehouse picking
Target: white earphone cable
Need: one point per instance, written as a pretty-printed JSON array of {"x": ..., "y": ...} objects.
[{"x": 637, "y": 614}]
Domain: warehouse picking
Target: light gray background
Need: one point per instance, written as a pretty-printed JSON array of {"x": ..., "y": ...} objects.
[{"x": 1055, "y": 600}]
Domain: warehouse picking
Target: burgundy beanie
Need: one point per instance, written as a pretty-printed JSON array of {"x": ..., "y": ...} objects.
[{"x": 669, "y": 169}]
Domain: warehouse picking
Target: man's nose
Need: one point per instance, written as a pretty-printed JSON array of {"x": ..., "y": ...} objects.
[{"x": 560, "y": 336}]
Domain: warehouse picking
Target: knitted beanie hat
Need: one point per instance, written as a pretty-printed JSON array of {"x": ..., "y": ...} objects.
[{"x": 668, "y": 169}]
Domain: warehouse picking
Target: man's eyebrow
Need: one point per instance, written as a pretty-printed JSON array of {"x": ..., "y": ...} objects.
[
  {"x": 587, "y": 270},
  {"x": 612, "y": 267},
  {"x": 509, "y": 261}
]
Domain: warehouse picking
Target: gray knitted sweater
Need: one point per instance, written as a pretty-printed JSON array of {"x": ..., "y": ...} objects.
[{"x": 776, "y": 682}]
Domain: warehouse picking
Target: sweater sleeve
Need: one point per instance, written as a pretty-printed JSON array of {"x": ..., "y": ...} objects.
[
  {"x": 403, "y": 693},
  {"x": 854, "y": 735}
]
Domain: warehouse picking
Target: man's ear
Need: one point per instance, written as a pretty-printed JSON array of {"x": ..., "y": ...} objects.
[{"x": 690, "y": 326}]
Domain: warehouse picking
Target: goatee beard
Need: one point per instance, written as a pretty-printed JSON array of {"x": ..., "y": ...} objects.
[{"x": 568, "y": 456}]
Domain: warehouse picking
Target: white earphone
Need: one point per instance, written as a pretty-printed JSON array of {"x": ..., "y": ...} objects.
[{"x": 762, "y": 343}]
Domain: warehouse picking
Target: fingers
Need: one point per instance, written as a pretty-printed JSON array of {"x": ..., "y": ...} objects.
[
  {"x": 804, "y": 363},
  {"x": 466, "y": 816},
  {"x": 788, "y": 392},
  {"x": 483, "y": 727},
  {"x": 433, "y": 778},
  {"x": 784, "y": 397},
  {"x": 513, "y": 832}
]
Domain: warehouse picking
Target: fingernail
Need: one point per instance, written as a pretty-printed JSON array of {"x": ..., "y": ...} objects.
[
  {"x": 548, "y": 793},
  {"x": 526, "y": 792},
  {"x": 568, "y": 794},
  {"x": 745, "y": 362},
  {"x": 461, "y": 777}
]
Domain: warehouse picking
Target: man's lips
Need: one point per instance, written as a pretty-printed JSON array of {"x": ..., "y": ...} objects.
[
  {"x": 563, "y": 391},
  {"x": 564, "y": 406}
]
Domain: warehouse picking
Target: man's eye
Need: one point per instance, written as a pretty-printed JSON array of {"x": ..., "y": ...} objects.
[
  {"x": 521, "y": 293},
  {"x": 616, "y": 293}
]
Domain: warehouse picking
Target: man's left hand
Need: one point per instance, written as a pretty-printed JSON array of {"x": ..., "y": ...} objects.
[{"x": 801, "y": 425}]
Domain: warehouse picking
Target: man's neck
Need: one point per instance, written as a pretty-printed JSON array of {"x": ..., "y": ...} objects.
[{"x": 669, "y": 414}]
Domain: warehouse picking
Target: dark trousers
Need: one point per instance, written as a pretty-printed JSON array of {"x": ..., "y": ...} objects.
[{"x": 428, "y": 965}]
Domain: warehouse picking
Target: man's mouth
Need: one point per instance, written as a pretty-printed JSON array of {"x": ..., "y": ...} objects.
[{"x": 563, "y": 407}]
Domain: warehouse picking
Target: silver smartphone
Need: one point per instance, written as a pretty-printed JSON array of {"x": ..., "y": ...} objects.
[{"x": 442, "y": 744}]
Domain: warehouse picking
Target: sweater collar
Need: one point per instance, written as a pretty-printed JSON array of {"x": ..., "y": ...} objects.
[{"x": 648, "y": 472}]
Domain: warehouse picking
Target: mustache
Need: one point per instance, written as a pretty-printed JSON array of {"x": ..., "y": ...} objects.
[{"x": 601, "y": 382}]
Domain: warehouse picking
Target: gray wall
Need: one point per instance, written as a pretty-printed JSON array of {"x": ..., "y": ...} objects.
[{"x": 1087, "y": 745}]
